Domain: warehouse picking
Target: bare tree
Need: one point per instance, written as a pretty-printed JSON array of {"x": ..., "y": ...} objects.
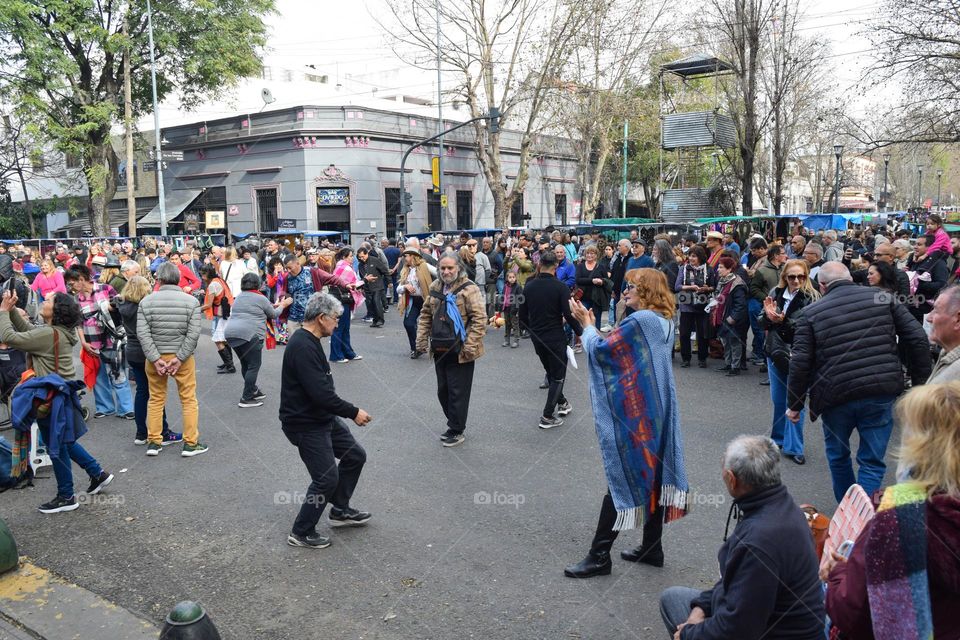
[
  {"x": 794, "y": 83},
  {"x": 507, "y": 54},
  {"x": 740, "y": 30},
  {"x": 608, "y": 50},
  {"x": 919, "y": 44}
]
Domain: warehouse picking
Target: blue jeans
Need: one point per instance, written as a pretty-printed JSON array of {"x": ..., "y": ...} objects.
[
  {"x": 140, "y": 399},
  {"x": 62, "y": 469},
  {"x": 754, "y": 308},
  {"x": 340, "y": 347},
  {"x": 788, "y": 435},
  {"x": 411, "y": 317},
  {"x": 873, "y": 419},
  {"x": 106, "y": 387}
]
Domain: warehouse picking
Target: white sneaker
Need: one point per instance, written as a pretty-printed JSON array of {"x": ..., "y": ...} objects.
[
  {"x": 606, "y": 328},
  {"x": 564, "y": 409},
  {"x": 139, "y": 441}
]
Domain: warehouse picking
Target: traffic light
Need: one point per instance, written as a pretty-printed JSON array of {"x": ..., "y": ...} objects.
[
  {"x": 407, "y": 205},
  {"x": 402, "y": 222},
  {"x": 494, "y": 116}
]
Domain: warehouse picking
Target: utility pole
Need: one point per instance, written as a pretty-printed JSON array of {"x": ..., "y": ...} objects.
[
  {"x": 156, "y": 126},
  {"x": 623, "y": 194},
  {"x": 439, "y": 120},
  {"x": 128, "y": 131}
]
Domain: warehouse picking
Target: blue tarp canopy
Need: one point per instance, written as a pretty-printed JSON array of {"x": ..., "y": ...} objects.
[
  {"x": 837, "y": 221},
  {"x": 321, "y": 234}
]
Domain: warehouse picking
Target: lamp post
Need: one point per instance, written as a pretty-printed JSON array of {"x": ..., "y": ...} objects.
[
  {"x": 886, "y": 168},
  {"x": 939, "y": 181},
  {"x": 919, "y": 185},
  {"x": 838, "y": 152}
]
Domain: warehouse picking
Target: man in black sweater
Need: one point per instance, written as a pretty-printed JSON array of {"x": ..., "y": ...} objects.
[
  {"x": 768, "y": 585},
  {"x": 311, "y": 415},
  {"x": 545, "y": 305},
  {"x": 375, "y": 269}
]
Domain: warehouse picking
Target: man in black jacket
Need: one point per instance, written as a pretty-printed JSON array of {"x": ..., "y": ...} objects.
[
  {"x": 375, "y": 269},
  {"x": 310, "y": 415},
  {"x": 545, "y": 305},
  {"x": 768, "y": 585},
  {"x": 845, "y": 356}
]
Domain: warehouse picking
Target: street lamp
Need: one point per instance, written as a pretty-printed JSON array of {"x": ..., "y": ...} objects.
[
  {"x": 886, "y": 168},
  {"x": 919, "y": 185},
  {"x": 837, "y": 151},
  {"x": 939, "y": 180}
]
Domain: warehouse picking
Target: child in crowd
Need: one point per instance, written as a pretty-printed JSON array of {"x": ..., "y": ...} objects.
[{"x": 509, "y": 306}]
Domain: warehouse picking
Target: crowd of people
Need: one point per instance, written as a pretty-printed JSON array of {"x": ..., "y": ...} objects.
[{"x": 839, "y": 326}]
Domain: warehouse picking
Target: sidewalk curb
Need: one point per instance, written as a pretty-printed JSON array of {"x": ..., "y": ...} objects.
[{"x": 51, "y": 608}]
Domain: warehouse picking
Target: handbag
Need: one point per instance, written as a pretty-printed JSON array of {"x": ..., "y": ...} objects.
[
  {"x": 777, "y": 350},
  {"x": 341, "y": 294}
]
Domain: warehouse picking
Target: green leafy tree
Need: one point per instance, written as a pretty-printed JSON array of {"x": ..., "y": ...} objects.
[{"x": 63, "y": 68}]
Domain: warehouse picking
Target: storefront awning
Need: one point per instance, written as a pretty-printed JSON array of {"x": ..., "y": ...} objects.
[{"x": 176, "y": 202}]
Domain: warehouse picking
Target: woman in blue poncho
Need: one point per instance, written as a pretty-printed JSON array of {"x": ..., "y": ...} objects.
[{"x": 637, "y": 421}]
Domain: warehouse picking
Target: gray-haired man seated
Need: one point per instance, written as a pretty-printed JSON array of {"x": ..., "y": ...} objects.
[{"x": 768, "y": 585}]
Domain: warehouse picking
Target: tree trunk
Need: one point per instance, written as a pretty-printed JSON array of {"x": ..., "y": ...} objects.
[{"x": 100, "y": 167}]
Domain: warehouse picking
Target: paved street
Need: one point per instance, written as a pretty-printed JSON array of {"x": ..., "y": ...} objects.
[{"x": 465, "y": 542}]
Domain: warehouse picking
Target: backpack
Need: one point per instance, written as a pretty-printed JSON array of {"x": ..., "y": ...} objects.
[{"x": 443, "y": 335}]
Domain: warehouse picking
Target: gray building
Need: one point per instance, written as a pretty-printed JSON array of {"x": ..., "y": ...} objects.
[{"x": 338, "y": 169}]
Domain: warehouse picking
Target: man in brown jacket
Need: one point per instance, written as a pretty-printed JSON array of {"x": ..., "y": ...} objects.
[{"x": 455, "y": 336}]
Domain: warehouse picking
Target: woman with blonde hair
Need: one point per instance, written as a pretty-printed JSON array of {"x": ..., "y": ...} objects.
[
  {"x": 414, "y": 285},
  {"x": 637, "y": 417},
  {"x": 780, "y": 309},
  {"x": 232, "y": 270},
  {"x": 137, "y": 289},
  {"x": 902, "y": 578}
]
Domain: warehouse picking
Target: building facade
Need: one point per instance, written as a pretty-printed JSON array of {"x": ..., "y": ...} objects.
[{"x": 338, "y": 169}]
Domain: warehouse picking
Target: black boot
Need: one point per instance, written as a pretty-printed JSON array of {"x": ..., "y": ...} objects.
[
  {"x": 595, "y": 564},
  {"x": 226, "y": 354},
  {"x": 650, "y": 550}
]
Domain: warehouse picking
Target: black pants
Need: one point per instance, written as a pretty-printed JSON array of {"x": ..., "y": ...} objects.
[
  {"x": 375, "y": 301},
  {"x": 605, "y": 535},
  {"x": 319, "y": 449},
  {"x": 250, "y": 353},
  {"x": 454, "y": 383},
  {"x": 553, "y": 357},
  {"x": 694, "y": 321},
  {"x": 410, "y": 320}
]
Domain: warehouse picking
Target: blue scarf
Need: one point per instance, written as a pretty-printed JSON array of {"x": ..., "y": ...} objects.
[
  {"x": 454, "y": 313},
  {"x": 637, "y": 418}
]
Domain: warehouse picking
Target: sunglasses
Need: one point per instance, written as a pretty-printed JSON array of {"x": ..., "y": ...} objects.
[
  {"x": 471, "y": 244},
  {"x": 800, "y": 277}
]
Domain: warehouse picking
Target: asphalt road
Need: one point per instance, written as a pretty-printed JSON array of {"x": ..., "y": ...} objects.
[{"x": 465, "y": 542}]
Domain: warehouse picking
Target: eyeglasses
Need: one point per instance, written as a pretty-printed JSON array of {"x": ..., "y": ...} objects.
[
  {"x": 630, "y": 287},
  {"x": 799, "y": 277}
]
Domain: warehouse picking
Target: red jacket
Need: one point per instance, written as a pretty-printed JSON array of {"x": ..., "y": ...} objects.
[{"x": 847, "y": 603}]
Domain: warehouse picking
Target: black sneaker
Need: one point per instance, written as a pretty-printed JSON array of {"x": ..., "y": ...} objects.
[
  {"x": 550, "y": 423},
  {"x": 348, "y": 517},
  {"x": 247, "y": 404},
  {"x": 59, "y": 504},
  {"x": 310, "y": 541},
  {"x": 98, "y": 483},
  {"x": 171, "y": 437},
  {"x": 685, "y": 364},
  {"x": 101, "y": 414},
  {"x": 230, "y": 369},
  {"x": 259, "y": 395},
  {"x": 564, "y": 409},
  {"x": 451, "y": 439},
  {"x": 129, "y": 416}
]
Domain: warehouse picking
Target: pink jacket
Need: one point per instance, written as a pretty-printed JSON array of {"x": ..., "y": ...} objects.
[{"x": 345, "y": 271}]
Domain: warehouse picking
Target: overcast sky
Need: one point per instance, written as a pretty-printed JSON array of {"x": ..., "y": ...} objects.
[{"x": 344, "y": 41}]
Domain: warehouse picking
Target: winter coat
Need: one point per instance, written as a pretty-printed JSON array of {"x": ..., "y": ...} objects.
[
  {"x": 845, "y": 348},
  {"x": 473, "y": 311},
  {"x": 168, "y": 321},
  {"x": 768, "y": 585}
]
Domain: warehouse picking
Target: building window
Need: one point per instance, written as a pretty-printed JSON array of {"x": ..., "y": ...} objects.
[
  {"x": 434, "y": 212},
  {"x": 267, "y": 209},
  {"x": 391, "y": 200},
  {"x": 516, "y": 212},
  {"x": 560, "y": 208},
  {"x": 464, "y": 209}
]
